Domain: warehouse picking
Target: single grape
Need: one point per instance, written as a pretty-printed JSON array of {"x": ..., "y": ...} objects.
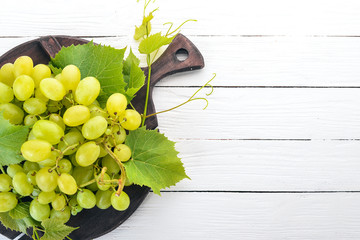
[
  {"x": 67, "y": 184},
  {"x": 67, "y": 101},
  {"x": 12, "y": 113},
  {"x": 87, "y": 153},
  {"x": 7, "y": 74},
  {"x": 71, "y": 138},
  {"x": 83, "y": 174},
  {"x": 46, "y": 197},
  {"x": 46, "y": 179},
  {"x": 70, "y": 77},
  {"x": 52, "y": 89},
  {"x": 97, "y": 111},
  {"x": 94, "y": 128},
  {"x": 93, "y": 187},
  {"x": 131, "y": 120},
  {"x": 40, "y": 72},
  {"x": 87, "y": 91},
  {"x": 50, "y": 161},
  {"x": 31, "y": 177},
  {"x": 120, "y": 203},
  {"x": 56, "y": 118},
  {"x": 39, "y": 211},
  {"x": 103, "y": 185},
  {"x": 111, "y": 165},
  {"x": 128, "y": 182},
  {"x": 86, "y": 199},
  {"x": 59, "y": 202},
  {"x": 5, "y": 182},
  {"x": 48, "y": 130},
  {"x": 103, "y": 199},
  {"x": 73, "y": 202},
  {"x": 103, "y": 152},
  {"x": 36, "y": 150},
  {"x": 28, "y": 166},
  {"x": 65, "y": 166},
  {"x": 6, "y": 93},
  {"x": 116, "y": 104},
  {"x": 23, "y": 87},
  {"x": 8, "y": 201},
  {"x": 63, "y": 216},
  {"x": 123, "y": 152},
  {"x": 39, "y": 95},
  {"x": 23, "y": 66},
  {"x": 34, "y": 106},
  {"x": 30, "y": 120},
  {"x": 12, "y": 169},
  {"x": 119, "y": 134},
  {"x": 54, "y": 106},
  {"x": 76, "y": 115},
  {"x": 35, "y": 192},
  {"x": 21, "y": 184}
]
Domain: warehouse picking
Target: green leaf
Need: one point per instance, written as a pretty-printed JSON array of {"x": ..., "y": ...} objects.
[
  {"x": 19, "y": 225},
  {"x": 11, "y": 139},
  {"x": 145, "y": 27},
  {"x": 55, "y": 230},
  {"x": 154, "y": 161},
  {"x": 20, "y": 211},
  {"x": 133, "y": 75},
  {"x": 130, "y": 60},
  {"x": 154, "y": 42},
  {"x": 102, "y": 62}
]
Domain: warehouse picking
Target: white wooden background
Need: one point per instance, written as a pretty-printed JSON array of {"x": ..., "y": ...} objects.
[{"x": 276, "y": 155}]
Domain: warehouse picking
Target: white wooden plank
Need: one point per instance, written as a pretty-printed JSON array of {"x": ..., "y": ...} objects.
[
  {"x": 230, "y": 17},
  {"x": 270, "y": 165},
  {"x": 265, "y": 61},
  {"x": 244, "y": 216},
  {"x": 236, "y": 113}
]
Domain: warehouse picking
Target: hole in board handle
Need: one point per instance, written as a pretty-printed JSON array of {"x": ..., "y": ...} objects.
[{"x": 182, "y": 54}]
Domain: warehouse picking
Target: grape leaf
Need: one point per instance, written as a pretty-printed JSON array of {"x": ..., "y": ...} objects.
[
  {"x": 55, "y": 229},
  {"x": 154, "y": 42},
  {"x": 19, "y": 225},
  {"x": 154, "y": 161},
  {"x": 145, "y": 26},
  {"x": 133, "y": 75},
  {"x": 20, "y": 211},
  {"x": 102, "y": 62},
  {"x": 11, "y": 139}
]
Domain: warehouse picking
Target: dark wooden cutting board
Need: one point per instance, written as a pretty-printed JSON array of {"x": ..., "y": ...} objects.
[{"x": 94, "y": 223}]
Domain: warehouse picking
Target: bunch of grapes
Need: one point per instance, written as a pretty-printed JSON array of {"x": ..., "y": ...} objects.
[{"x": 74, "y": 150}]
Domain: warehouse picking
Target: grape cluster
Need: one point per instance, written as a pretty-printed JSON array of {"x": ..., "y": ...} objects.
[{"x": 74, "y": 150}]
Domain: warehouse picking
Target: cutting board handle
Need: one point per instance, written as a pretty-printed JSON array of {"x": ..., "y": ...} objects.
[{"x": 170, "y": 62}]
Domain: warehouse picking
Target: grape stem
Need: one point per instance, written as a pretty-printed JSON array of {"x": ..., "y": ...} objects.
[
  {"x": 123, "y": 174},
  {"x": 61, "y": 153}
]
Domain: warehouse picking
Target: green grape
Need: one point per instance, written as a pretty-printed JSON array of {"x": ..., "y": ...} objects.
[
  {"x": 34, "y": 106},
  {"x": 111, "y": 165},
  {"x": 31, "y": 177},
  {"x": 58, "y": 77},
  {"x": 54, "y": 106},
  {"x": 48, "y": 130},
  {"x": 94, "y": 128},
  {"x": 62, "y": 216},
  {"x": 36, "y": 192},
  {"x": 73, "y": 202},
  {"x": 7, "y": 74},
  {"x": 102, "y": 185},
  {"x": 97, "y": 111},
  {"x": 87, "y": 153},
  {"x": 120, "y": 203},
  {"x": 56, "y": 118},
  {"x": 93, "y": 187},
  {"x": 78, "y": 208},
  {"x": 8, "y": 201},
  {"x": 50, "y": 161},
  {"x": 67, "y": 184},
  {"x": 39, "y": 95},
  {"x": 128, "y": 182},
  {"x": 103, "y": 152},
  {"x": 86, "y": 199},
  {"x": 73, "y": 160},
  {"x": 119, "y": 134},
  {"x": 52, "y": 89},
  {"x": 39, "y": 211},
  {"x": 36, "y": 150},
  {"x": 12, "y": 113},
  {"x": 71, "y": 138},
  {"x": 70, "y": 77},
  {"x": 23, "y": 87},
  {"x": 65, "y": 166},
  {"x": 28, "y": 166},
  {"x": 6, "y": 93},
  {"x": 30, "y": 120},
  {"x": 40, "y": 72},
  {"x": 46, "y": 179},
  {"x": 131, "y": 120},
  {"x": 123, "y": 152},
  {"x": 21, "y": 184},
  {"x": 23, "y": 66},
  {"x": 103, "y": 199},
  {"x": 12, "y": 169},
  {"x": 87, "y": 91},
  {"x": 83, "y": 174},
  {"x": 46, "y": 197},
  {"x": 59, "y": 203},
  {"x": 5, "y": 182},
  {"x": 76, "y": 115},
  {"x": 116, "y": 104}
]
